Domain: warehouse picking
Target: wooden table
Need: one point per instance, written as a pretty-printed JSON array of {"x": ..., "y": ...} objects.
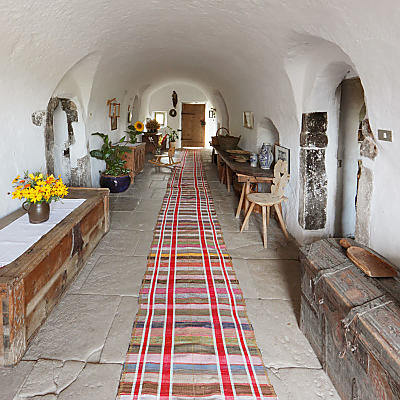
[{"x": 244, "y": 172}]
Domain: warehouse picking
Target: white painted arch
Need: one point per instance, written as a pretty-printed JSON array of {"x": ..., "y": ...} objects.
[{"x": 254, "y": 52}]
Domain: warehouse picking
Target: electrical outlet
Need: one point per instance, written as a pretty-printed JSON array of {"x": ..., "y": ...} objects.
[{"x": 385, "y": 135}]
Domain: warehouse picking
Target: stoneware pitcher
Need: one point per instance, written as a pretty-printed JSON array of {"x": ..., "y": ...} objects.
[
  {"x": 37, "y": 212},
  {"x": 266, "y": 157}
]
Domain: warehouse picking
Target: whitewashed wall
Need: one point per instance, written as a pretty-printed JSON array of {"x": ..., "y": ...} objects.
[{"x": 262, "y": 56}]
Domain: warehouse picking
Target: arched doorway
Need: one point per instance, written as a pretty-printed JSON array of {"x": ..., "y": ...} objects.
[
  {"x": 352, "y": 113},
  {"x": 67, "y": 151}
]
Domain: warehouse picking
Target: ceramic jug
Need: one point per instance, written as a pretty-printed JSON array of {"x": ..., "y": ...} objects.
[
  {"x": 266, "y": 157},
  {"x": 253, "y": 160}
]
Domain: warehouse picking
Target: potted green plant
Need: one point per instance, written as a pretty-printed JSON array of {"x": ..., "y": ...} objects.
[
  {"x": 152, "y": 126},
  {"x": 116, "y": 176},
  {"x": 134, "y": 131},
  {"x": 172, "y": 136}
]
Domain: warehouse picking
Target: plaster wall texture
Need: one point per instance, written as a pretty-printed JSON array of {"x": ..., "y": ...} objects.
[
  {"x": 160, "y": 100},
  {"x": 352, "y": 100},
  {"x": 275, "y": 58}
]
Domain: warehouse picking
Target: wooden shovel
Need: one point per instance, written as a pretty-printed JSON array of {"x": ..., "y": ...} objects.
[{"x": 368, "y": 262}]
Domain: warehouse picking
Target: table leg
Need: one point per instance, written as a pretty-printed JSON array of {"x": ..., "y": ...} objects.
[
  {"x": 239, "y": 209},
  {"x": 264, "y": 226},
  {"x": 246, "y": 202},
  {"x": 247, "y": 191},
  {"x": 268, "y": 214},
  {"x": 228, "y": 179},
  {"x": 281, "y": 221},
  {"x": 247, "y": 217}
]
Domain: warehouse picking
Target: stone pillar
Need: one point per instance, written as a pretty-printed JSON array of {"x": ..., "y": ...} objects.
[{"x": 313, "y": 179}]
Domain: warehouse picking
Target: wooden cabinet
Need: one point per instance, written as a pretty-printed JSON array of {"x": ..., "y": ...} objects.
[{"x": 135, "y": 159}]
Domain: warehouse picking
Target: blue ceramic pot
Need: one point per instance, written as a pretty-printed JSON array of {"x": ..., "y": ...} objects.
[
  {"x": 116, "y": 184},
  {"x": 266, "y": 156},
  {"x": 253, "y": 160}
]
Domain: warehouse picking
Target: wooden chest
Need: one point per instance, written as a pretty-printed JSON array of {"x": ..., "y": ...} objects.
[
  {"x": 32, "y": 285},
  {"x": 352, "y": 322},
  {"x": 136, "y": 159}
]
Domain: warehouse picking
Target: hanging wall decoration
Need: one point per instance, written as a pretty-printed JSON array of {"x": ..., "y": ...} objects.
[
  {"x": 282, "y": 153},
  {"x": 174, "y": 98},
  {"x": 172, "y": 112},
  {"x": 114, "y": 109},
  {"x": 248, "y": 119}
]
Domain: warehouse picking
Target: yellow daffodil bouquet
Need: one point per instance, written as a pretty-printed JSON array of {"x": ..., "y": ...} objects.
[{"x": 36, "y": 188}]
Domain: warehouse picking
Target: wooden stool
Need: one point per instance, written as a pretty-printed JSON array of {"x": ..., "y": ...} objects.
[
  {"x": 265, "y": 201},
  {"x": 268, "y": 200}
]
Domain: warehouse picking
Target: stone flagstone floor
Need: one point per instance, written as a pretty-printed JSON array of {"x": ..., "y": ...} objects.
[{"x": 79, "y": 352}]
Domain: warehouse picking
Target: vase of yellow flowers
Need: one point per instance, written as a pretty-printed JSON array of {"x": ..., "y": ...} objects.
[
  {"x": 134, "y": 131},
  {"x": 152, "y": 126},
  {"x": 38, "y": 191}
]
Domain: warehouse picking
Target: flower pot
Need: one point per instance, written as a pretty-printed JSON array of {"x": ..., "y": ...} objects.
[
  {"x": 116, "y": 184},
  {"x": 37, "y": 212}
]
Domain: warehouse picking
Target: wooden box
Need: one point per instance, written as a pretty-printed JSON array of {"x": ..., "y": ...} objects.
[
  {"x": 32, "y": 285},
  {"x": 352, "y": 322}
]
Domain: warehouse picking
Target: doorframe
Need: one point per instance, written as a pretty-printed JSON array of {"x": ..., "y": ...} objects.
[{"x": 180, "y": 121}]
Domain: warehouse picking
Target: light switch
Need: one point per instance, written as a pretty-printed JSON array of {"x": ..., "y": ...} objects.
[{"x": 385, "y": 135}]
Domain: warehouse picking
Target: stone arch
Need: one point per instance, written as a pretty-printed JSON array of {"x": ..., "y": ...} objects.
[
  {"x": 267, "y": 132},
  {"x": 210, "y": 97},
  {"x": 76, "y": 173},
  {"x": 325, "y": 66}
]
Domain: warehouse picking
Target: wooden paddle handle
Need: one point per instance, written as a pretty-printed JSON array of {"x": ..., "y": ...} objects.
[{"x": 345, "y": 243}]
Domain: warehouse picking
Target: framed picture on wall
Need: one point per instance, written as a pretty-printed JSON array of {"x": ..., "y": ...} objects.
[
  {"x": 114, "y": 123},
  {"x": 282, "y": 153},
  {"x": 248, "y": 119}
]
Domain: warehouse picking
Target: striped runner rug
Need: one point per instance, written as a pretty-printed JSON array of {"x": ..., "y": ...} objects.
[{"x": 191, "y": 338}]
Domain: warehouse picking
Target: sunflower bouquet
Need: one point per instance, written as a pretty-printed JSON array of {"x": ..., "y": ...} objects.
[
  {"x": 36, "y": 188},
  {"x": 134, "y": 130}
]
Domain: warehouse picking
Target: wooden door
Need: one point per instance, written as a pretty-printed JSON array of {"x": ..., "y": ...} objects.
[{"x": 193, "y": 125}]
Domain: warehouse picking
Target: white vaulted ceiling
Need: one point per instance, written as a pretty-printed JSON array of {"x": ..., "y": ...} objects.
[{"x": 273, "y": 57}]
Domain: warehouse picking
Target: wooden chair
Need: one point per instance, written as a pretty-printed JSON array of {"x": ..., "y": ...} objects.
[
  {"x": 268, "y": 200},
  {"x": 171, "y": 163}
]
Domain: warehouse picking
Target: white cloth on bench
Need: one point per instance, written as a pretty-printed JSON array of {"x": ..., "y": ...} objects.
[{"x": 20, "y": 235}]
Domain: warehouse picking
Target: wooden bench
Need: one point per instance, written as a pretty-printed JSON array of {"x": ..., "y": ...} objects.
[
  {"x": 32, "y": 285},
  {"x": 352, "y": 322}
]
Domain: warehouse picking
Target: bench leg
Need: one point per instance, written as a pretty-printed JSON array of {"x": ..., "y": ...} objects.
[
  {"x": 281, "y": 221},
  {"x": 246, "y": 219},
  {"x": 264, "y": 217}
]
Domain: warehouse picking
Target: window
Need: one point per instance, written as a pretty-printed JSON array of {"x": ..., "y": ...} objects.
[{"x": 161, "y": 117}]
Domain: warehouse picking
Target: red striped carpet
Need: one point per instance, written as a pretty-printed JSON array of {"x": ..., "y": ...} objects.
[{"x": 191, "y": 338}]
